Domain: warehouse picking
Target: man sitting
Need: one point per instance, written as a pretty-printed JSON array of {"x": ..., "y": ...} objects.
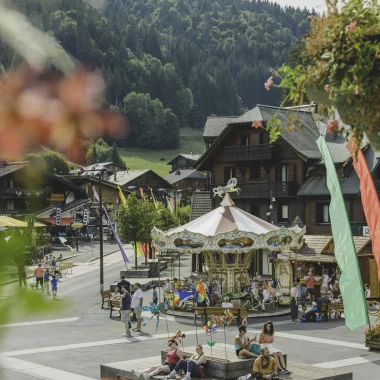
[{"x": 264, "y": 367}]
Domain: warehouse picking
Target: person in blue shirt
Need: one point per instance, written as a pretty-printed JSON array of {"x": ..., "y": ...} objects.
[
  {"x": 125, "y": 311},
  {"x": 46, "y": 282},
  {"x": 54, "y": 286},
  {"x": 155, "y": 296}
]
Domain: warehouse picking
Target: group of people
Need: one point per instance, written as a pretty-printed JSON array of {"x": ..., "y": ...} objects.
[{"x": 48, "y": 275}]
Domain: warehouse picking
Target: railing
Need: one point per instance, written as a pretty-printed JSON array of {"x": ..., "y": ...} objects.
[
  {"x": 23, "y": 193},
  {"x": 247, "y": 153},
  {"x": 262, "y": 189}
]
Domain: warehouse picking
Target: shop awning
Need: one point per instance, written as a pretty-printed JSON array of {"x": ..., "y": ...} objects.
[{"x": 6, "y": 221}]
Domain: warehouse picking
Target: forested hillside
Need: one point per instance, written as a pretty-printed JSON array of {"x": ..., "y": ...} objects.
[{"x": 172, "y": 63}]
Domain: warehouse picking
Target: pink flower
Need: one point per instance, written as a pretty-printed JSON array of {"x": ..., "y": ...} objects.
[
  {"x": 257, "y": 124},
  {"x": 356, "y": 92},
  {"x": 332, "y": 126},
  {"x": 269, "y": 83},
  {"x": 327, "y": 88},
  {"x": 351, "y": 27}
]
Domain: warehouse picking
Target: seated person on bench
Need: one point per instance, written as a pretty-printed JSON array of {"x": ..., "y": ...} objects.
[
  {"x": 174, "y": 355},
  {"x": 193, "y": 367},
  {"x": 265, "y": 367},
  {"x": 244, "y": 347}
]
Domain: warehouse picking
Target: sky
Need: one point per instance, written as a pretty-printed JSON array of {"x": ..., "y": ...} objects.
[{"x": 319, "y": 5}]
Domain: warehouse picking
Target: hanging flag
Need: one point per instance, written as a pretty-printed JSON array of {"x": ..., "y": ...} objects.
[
  {"x": 122, "y": 197},
  {"x": 351, "y": 285},
  {"x": 154, "y": 199},
  {"x": 117, "y": 238},
  {"x": 145, "y": 248},
  {"x": 142, "y": 194},
  {"x": 58, "y": 212},
  {"x": 370, "y": 200},
  {"x": 169, "y": 205},
  {"x": 63, "y": 241},
  {"x": 139, "y": 249}
]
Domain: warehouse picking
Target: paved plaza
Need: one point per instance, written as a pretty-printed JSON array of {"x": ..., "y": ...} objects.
[{"x": 73, "y": 343}]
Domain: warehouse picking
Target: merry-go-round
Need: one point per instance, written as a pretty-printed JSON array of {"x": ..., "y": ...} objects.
[{"x": 231, "y": 242}]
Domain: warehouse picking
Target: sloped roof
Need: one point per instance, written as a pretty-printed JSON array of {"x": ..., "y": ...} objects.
[
  {"x": 215, "y": 125},
  {"x": 12, "y": 167},
  {"x": 318, "y": 186},
  {"x": 191, "y": 157},
  {"x": 124, "y": 177},
  {"x": 181, "y": 174}
]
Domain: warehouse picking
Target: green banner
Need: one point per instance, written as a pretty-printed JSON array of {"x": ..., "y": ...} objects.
[{"x": 350, "y": 283}]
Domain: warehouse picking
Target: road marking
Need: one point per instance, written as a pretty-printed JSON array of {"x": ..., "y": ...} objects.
[
  {"x": 32, "y": 323},
  {"x": 94, "y": 307},
  {"x": 348, "y": 362},
  {"x": 38, "y": 370}
]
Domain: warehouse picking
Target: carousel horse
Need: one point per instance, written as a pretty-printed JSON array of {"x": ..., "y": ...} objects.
[{"x": 230, "y": 188}]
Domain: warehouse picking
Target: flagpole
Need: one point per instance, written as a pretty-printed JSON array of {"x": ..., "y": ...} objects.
[{"x": 101, "y": 233}]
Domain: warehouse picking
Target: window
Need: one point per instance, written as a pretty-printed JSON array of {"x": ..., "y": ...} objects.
[
  {"x": 283, "y": 215},
  {"x": 323, "y": 215},
  {"x": 261, "y": 138},
  {"x": 283, "y": 173},
  {"x": 11, "y": 184},
  {"x": 10, "y": 205},
  {"x": 244, "y": 140},
  {"x": 255, "y": 210},
  {"x": 255, "y": 172},
  {"x": 229, "y": 173}
]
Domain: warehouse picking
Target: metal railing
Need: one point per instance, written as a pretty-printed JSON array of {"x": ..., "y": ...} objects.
[
  {"x": 24, "y": 193},
  {"x": 247, "y": 153}
]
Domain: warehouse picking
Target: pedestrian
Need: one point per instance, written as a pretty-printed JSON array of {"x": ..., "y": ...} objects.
[
  {"x": 21, "y": 275},
  {"x": 137, "y": 301},
  {"x": 325, "y": 283},
  {"x": 299, "y": 288},
  {"x": 54, "y": 287},
  {"x": 39, "y": 274},
  {"x": 294, "y": 302},
  {"x": 121, "y": 283},
  {"x": 154, "y": 295},
  {"x": 310, "y": 286},
  {"x": 367, "y": 292},
  {"x": 125, "y": 311},
  {"x": 57, "y": 269},
  {"x": 46, "y": 282}
]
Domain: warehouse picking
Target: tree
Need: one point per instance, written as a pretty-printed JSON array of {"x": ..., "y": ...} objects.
[{"x": 53, "y": 162}]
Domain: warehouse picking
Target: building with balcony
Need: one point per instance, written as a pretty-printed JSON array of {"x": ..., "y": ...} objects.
[{"x": 183, "y": 161}]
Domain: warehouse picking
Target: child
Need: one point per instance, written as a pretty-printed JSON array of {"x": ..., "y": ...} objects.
[
  {"x": 54, "y": 287},
  {"x": 155, "y": 296},
  {"x": 46, "y": 282},
  {"x": 367, "y": 292}
]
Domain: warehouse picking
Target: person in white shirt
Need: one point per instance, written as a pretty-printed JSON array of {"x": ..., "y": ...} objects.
[
  {"x": 137, "y": 301},
  {"x": 367, "y": 291},
  {"x": 294, "y": 302},
  {"x": 325, "y": 284}
]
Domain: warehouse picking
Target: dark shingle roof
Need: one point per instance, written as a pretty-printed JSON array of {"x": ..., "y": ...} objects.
[
  {"x": 201, "y": 204},
  {"x": 12, "y": 167},
  {"x": 190, "y": 157},
  {"x": 215, "y": 125},
  {"x": 181, "y": 174}
]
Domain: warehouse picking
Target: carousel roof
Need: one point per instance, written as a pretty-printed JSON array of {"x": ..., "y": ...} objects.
[
  {"x": 227, "y": 229},
  {"x": 225, "y": 219}
]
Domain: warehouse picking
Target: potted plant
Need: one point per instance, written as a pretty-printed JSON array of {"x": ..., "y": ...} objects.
[
  {"x": 372, "y": 337},
  {"x": 340, "y": 67}
]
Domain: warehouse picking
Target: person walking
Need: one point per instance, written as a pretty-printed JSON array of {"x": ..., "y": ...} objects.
[
  {"x": 54, "y": 287},
  {"x": 46, "y": 282},
  {"x": 39, "y": 274},
  {"x": 121, "y": 283},
  {"x": 21, "y": 275},
  {"x": 137, "y": 301},
  {"x": 367, "y": 292},
  {"x": 125, "y": 311},
  {"x": 294, "y": 302},
  {"x": 310, "y": 286},
  {"x": 325, "y": 283},
  {"x": 154, "y": 295}
]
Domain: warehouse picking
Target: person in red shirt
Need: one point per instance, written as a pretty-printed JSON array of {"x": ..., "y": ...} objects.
[
  {"x": 39, "y": 274},
  {"x": 309, "y": 281}
]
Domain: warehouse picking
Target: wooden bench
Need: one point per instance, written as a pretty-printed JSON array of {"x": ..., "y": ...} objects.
[
  {"x": 237, "y": 312},
  {"x": 106, "y": 296},
  {"x": 65, "y": 266},
  {"x": 114, "y": 305},
  {"x": 328, "y": 308}
]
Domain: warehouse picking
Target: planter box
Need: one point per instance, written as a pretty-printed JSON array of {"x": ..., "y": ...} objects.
[{"x": 373, "y": 344}]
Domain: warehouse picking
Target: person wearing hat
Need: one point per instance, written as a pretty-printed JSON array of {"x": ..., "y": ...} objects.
[{"x": 155, "y": 296}]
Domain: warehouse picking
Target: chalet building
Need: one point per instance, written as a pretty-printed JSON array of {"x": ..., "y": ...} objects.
[
  {"x": 285, "y": 182},
  {"x": 26, "y": 191},
  {"x": 214, "y": 127},
  {"x": 91, "y": 170},
  {"x": 183, "y": 161}
]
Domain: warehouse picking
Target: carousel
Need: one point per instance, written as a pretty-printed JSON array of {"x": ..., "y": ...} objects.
[{"x": 231, "y": 241}]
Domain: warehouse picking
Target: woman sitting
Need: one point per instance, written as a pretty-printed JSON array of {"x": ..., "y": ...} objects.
[
  {"x": 243, "y": 344},
  {"x": 193, "y": 367},
  {"x": 174, "y": 355},
  {"x": 266, "y": 339}
]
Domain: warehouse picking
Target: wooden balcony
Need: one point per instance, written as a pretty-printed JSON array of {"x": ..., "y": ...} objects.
[
  {"x": 243, "y": 153},
  {"x": 24, "y": 193},
  {"x": 262, "y": 189}
]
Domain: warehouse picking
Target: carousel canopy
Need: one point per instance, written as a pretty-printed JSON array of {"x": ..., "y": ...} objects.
[{"x": 228, "y": 229}]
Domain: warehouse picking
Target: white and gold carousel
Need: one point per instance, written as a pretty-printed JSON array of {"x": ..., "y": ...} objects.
[{"x": 230, "y": 239}]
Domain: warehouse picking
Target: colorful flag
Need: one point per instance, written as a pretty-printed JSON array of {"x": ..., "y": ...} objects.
[
  {"x": 145, "y": 248},
  {"x": 58, "y": 212},
  {"x": 154, "y": 199},
  {"x": 139, "y": 250},
  {"x": 350, "y": 283},
  {"x": 122, "y": 197},
  {"x": 370, "y": 200},
  {"x": 64, "y": 241},
  {"x": 117, "y": 238},
  {"x": 169, "y": 204}
]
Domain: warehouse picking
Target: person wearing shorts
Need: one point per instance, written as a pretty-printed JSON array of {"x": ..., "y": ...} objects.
[
  {"x": 137, "y": 301},
  {"x": 125, "y": 311},
  {"x": 309, "y": 281},
  {"x": 39, "y": 273},
  {"x": 54, "y": 287},
  {"x": 46, "y": 281}
]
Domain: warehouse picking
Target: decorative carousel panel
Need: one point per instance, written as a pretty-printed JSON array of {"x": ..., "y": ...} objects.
[
  {"x": 187, "y": 243},
  {"x": 235, "y": 242}
]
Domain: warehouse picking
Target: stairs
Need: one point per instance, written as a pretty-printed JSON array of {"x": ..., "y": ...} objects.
[{"x": 201, "y": 204}]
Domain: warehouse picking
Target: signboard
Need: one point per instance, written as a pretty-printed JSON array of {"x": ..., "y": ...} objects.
[
  {"x": 366, "y": 231},
  {"x": 58, "y": 212},
  {"x": 57, "y": 197},
  {"x": 85, "y": 216},
  {"x": 76, "y": 224}
]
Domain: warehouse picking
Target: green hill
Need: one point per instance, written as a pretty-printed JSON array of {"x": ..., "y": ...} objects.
[{"x": 191, "y": 141}]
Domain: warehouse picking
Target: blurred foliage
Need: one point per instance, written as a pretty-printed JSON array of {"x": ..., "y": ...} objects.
[
  {"x": 53, "y": 162},
  {"x": 100, "y": 151}
]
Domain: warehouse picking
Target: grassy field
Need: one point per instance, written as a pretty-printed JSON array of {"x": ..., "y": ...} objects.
[{"x": 191, "y": 141}]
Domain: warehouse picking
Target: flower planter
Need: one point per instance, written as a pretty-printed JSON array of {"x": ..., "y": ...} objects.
[{"x": 373, "y": 343}]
